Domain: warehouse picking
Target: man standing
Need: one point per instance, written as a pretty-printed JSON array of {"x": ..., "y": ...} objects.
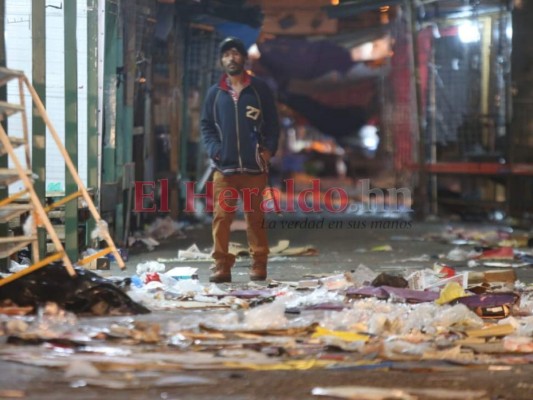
[{"x": 240, "y": 130}]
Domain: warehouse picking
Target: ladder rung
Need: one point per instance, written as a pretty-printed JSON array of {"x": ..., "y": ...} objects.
[
  {"x": 13, "y": 198},
  {"x": 10, "y": 175},
  {"x": 7, "y": 109},
  {"x": 94, "y": 256},
  {"x": 15, "y": 142},
  {"x": 43, "y": 263},
  {"x": 10, "y": 245},
  {"x": 10, "y": 211},
  {"x": 7, "y": 74},
  {"x": 64, "y": 200}
]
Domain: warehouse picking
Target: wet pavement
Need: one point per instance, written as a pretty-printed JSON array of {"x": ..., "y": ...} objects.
[{"x": 391, "y": 246}]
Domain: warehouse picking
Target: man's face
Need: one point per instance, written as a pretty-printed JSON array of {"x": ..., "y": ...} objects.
[{"x": 232, "y": 61}]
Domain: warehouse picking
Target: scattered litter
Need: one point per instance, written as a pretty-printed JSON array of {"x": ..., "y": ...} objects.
[
  {"x": 385, "y": 247},
  {"x": 282, "y": 248},
  {"x": 149, "y": 266},
  {"x": 458, "y": 254},
  {"x": 281, "y": 259},
  {"x": 385, "y": 279},
  {"x": 79, "y": 368},
  {"x": 193, "y": 253},
  {"x": 15, "y": 267},
  {"x": 12, "y": 394},
  {"x": 181, "y": 273},
  {"x": 100, "y": 231},
  {"x": 363, "y": 275},
  {"x": 501, "y": 253},
  {"x": 436, "y": 316},
  {"x": 451, "y": 291},
  {"x": 163, "y": 228},
  {"x": 375, "y": 393},
  {"x": 495, "y": 264}
]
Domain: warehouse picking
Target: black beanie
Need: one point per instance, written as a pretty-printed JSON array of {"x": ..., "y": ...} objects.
[{"x": 230, "y": 42}]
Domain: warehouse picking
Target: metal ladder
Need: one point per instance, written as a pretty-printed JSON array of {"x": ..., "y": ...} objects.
[{"x": 12, "y": 206}]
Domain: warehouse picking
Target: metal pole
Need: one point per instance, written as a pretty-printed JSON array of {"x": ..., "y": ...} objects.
[
  {"x": 130, "y": 66},
  {"x": 4, "y": 262},
  {"x": 71, "y": 126},
  {"x": 184, "y": 134},
  {"x": 421, "y": 198},
  {"x": 120, "y": 139},
  {"x": 92, "y": 104},
  {"x": 433, "y": 115},
  {"x": 38, "y": 154},
  {"x": 101, "y": 4}
]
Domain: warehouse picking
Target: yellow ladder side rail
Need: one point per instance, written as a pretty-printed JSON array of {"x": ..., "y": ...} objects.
[
  {"x": 72, "y": 169},
  {"x": 94, "y": 256},
  {"x": 44, "y": 262},
  {"x": 64, "y": 200},
  {"x": 26, "y": 135},
  {"x": 37, "y": 206},
  {"x": 12, "y": 198},
  {"x": 25, "y": 131}
]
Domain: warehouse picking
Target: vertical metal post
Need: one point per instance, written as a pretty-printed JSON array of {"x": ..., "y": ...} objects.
[
  {"x": 184, "y": 134},
  {"x": 130, "y": 75},
  {"x": 175, "y": 59},
  {"x": 130, "y": 68},
  {"x": 4, "y": 262},
  {"x": 71, "y": 125},
  {"x": 38, "y": 153},
  {"x": 421, "y": 197},
  {"x": 111, "y": 82},
  {"x": 119, "y": 150},
  {"x": 92, "y": 104},
  {"x": 101, "y": 4},
  {"x": 433, "y": 128}
]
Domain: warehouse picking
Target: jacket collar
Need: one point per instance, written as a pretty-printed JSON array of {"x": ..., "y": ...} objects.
[{"x": 223, "y": 83}]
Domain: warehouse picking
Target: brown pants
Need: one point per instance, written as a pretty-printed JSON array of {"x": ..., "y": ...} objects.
[{"x": 246, "y": 186}]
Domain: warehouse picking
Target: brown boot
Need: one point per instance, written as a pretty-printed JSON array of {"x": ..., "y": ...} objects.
[
  {"x": 258, "y": 272},
  {"x": 219, "y": 274}
]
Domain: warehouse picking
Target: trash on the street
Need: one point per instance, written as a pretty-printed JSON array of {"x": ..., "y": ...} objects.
[
  {"x": 445, "y": 310},
  {"x": 193, "y": 253},
  {"x": 378, "y": 393}
]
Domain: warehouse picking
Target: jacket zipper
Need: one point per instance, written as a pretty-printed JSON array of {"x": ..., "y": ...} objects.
[
  {"x": 215, "y": 117},
  {"x": 238, "y": 135},
  {"x": 258, "y": 159}
]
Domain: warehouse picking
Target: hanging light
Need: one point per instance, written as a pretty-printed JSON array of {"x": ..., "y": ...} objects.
[{"x": 469, "y": 32}]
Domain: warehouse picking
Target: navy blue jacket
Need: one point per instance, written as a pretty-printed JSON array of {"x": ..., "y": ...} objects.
[{"x": 234, "y": 133}]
